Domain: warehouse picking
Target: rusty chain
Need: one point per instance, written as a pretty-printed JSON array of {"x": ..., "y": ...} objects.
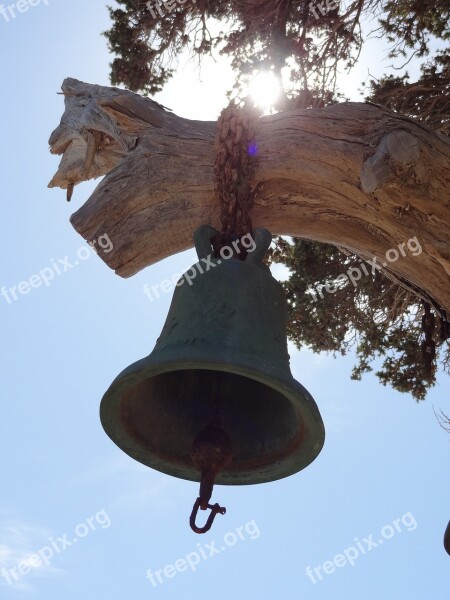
[{"x": 234, "y": 169}]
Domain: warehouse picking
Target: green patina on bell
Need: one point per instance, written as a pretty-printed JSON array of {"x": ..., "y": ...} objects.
[{"x": 220, "y": 362}]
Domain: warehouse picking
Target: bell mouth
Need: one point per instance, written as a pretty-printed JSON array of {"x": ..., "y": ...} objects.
[{"x": 275, "y": 429}]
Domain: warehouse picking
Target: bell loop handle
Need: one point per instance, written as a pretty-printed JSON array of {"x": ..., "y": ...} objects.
[
  {"x": 204, "y": 235},
  {"x": 262, "y": 239},
  {"x": 202, "y": 240},
  {"x": 215, "y": 508}
]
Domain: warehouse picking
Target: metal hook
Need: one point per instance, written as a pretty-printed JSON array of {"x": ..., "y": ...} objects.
[{"x": 215, "y": 508}]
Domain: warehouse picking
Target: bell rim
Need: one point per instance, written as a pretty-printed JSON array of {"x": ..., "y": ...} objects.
[{"x": 302, "y": 401}]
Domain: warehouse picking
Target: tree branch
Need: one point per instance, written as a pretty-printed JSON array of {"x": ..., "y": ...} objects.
[{"x": 354, "y": 175}]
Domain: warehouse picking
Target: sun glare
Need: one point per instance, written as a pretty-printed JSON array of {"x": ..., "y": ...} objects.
[{"x": 264, "y": 89}]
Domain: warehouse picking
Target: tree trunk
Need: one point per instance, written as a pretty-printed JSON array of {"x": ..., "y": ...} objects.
[{"x": 354, "y": 175}]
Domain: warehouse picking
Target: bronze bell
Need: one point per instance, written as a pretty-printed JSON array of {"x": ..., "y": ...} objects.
[{"x": 219, "y": 375}]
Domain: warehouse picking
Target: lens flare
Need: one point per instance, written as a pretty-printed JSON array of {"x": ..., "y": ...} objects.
[{"x": 264, "y": 88}]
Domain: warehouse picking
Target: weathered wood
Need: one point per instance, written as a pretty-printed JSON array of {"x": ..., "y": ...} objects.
[{"x": 354, "y": 175}]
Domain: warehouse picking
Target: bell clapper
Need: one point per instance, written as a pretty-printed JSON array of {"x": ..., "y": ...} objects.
[{"x": 211, "y": 452}]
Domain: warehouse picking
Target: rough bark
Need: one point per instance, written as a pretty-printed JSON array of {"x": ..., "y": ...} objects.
[{"x": 354, "y": 175}]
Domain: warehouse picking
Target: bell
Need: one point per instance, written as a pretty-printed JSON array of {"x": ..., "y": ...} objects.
[{"x": 219, "y": 375}]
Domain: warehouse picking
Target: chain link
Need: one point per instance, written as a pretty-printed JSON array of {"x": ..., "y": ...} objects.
[{"x": 234, "y": 168}]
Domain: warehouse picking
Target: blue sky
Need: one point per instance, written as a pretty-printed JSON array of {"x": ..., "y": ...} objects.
[{"x": 383, "y": 472}]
